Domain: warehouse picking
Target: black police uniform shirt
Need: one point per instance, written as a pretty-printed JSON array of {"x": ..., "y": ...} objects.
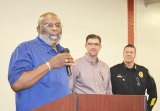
[{"x": 133, "y": 81}]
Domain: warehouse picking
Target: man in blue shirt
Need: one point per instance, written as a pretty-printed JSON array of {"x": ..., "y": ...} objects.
[{"x": 37, "y": 71}]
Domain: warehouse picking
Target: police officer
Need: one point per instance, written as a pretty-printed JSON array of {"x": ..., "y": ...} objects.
[{"x": 129, "y": 78}]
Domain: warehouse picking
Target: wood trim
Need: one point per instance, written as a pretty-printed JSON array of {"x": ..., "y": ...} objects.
[{"x": 130, "y": 22}]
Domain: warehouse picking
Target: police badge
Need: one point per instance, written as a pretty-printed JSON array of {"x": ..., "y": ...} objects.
[{"x": 140, "y": 74}]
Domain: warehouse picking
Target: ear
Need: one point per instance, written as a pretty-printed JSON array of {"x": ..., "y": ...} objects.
[{"x": 38, "y": 29}]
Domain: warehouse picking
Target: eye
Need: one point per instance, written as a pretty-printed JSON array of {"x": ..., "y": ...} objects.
[
  {"x": 58, "y": 25},
  {"x": 95, "y": 44},
  {"x": 50, "y": 25}
]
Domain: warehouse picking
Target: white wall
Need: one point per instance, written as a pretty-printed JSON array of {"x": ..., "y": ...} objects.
[
  {"x": 107, "y": 18},
  {"x": 147, "y": 28}
]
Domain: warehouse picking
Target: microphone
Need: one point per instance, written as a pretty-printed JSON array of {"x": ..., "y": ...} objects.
[{"x": 68, "y": 68}]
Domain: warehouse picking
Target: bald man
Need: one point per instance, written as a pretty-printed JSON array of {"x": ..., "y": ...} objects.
[{"x": 37, "y": 69}]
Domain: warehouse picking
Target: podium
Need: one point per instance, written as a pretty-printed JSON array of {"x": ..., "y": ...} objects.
[{"x": 94, "y": 102}]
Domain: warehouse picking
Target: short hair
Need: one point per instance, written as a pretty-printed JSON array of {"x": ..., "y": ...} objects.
[
  {"x": 93, "y": 36},
  {"x": 129, "y": 45},
  {"x": 42, "y": 17}
]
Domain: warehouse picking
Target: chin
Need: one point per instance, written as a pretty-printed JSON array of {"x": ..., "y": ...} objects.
[
  {"x": 129, "y": 61},
  {"x": 93, "y": 55}
]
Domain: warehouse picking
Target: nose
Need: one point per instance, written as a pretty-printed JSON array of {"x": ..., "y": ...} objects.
[
  {"x": 54, "y": 27},
  {"x": 93, "y": 46}
]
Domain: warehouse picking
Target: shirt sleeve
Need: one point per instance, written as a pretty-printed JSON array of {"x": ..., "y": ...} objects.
[
  {"x": 74, "y": 76},
  {"x": 152, "y": 92},
  {"x": 109, "y": 88},
  {"x": 113, "y": 80},
  {"x": 20, "y": 62}
]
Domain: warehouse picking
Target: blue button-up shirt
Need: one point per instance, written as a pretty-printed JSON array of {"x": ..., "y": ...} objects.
[{"x": 54, "y": 85}]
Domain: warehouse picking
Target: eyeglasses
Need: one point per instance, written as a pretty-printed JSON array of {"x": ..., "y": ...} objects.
[
  {"x": 50, "y": 25},
  {"x": 95, "y": 44}
]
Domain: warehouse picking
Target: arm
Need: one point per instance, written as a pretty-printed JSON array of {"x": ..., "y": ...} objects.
[
  {"x": 73, "y": 78},
  {"x": 113, "y": 80},
  {"x": 152, "y": 92},
  {"x": 109, "y": 88},
  {"x": 29, "y": 78}
]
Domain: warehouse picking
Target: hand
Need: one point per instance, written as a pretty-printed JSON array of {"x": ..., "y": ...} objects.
[{"x": 60, "y": 60}]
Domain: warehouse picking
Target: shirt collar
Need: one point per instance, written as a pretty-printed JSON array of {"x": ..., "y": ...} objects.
[
  {"x": 89, "y": 59},
  {"x": 133, "y": 68}
]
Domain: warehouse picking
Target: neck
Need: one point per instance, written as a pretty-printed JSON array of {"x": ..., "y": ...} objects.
[
  {"x": 93, "y": 58},
  {"x": 129, "y": 64}
]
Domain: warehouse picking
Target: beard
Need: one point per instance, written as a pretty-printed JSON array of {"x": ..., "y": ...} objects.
[{"x": 50, "y": 39}]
